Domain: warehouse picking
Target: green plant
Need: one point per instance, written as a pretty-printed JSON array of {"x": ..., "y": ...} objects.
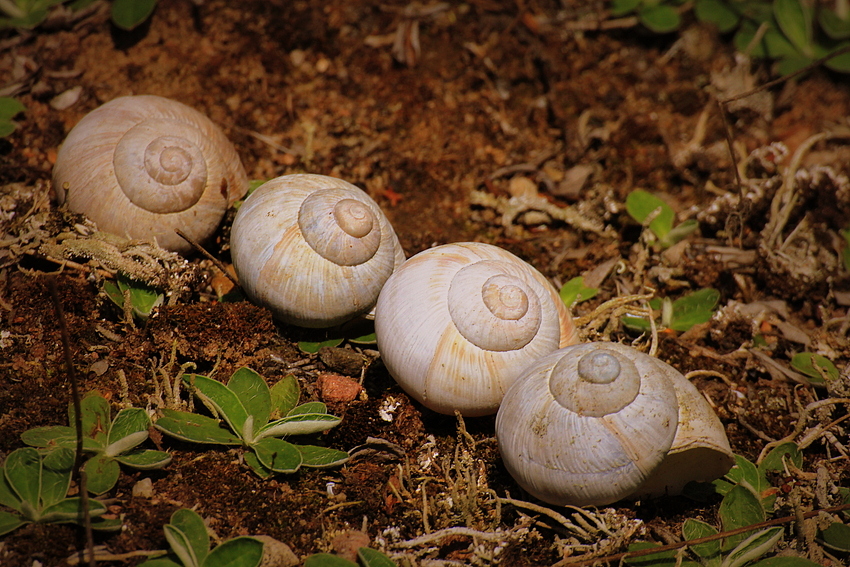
[
  {"x": 113, "y": 442},
  {"x": 748, "y": 498},
  {"x": 647, "y": 209},
  {"x": 35, "y": 485},
  {"x": 28, "y": 14},
  {"x": 246, "y": 404},
  {"x": 9, "y": 107},
  {"x": 574, "y": 291},
  {"x": 367, "y": 557},
  {"x": 190, "y": 546},
  {"x": 142, "y": 298},
  {"x": 679, "y": 315},
  {"x": 818, "y": 369},
  {"x": 656, "y": 15}
]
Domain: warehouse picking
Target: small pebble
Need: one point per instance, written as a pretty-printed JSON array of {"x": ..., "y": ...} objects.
[
  {"x": 143, "y": 489},
  {"x": 336, "y": 388}
]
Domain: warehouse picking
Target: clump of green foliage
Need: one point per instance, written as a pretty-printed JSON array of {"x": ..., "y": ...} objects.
[
  {"x": 28, "y": 14},
  {"x": 256, "y": 417},
  {"x": 680, "y": 315},
  {"x": 34, "y": 485},
  {"x": 133, "y": 297},
  {"x": 111, "y": 442},
  {"x": 190, "y": 546},
  {"x": 574, "y": 291},
  {"x": 366, "y": 557},
  {"x": 794, "y": 33},
  {"x": 649, "y": 210}
]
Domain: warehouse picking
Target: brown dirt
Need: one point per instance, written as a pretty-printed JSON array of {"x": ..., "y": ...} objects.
[{"x": 496, "y": 85}]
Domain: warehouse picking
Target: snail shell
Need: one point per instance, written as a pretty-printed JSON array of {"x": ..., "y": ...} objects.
[
  {"x": 143, "y": 166},
  {"x": 456, "y": 324},
  {"x": 594, "y": 423},
  {"x": 313, "y": 249}
]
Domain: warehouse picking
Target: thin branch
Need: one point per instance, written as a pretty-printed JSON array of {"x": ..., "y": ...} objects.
[
  {"x": 78, "y": 471},
  {"x": 210, "y": 257}
]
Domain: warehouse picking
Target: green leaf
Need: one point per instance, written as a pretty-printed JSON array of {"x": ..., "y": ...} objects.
[
  {"x": 23, "y": 472},
  {"x": 102, "y": 473},
  {"x": 640, "y": 204},
  {"x": 300, "y": 424},
  {"x": 795, "y": 21},
  {"x": 739, "y": 508},
  {"x": 222, "y": 398},
  {"x": 775, "y": 460},
  {"x": 9, "y": 107},
  {"x": 660, "y": 18},
  {"x": 718, "y": 13},
  {"x": 192, "y": 526},
  {"x": 661, "y": 559},
  {"x": 367, "y": 339},
  {"x": 278, "y": 455},
  {"x": 753, "y": 547},
  {"x": 285, "y": 395},
  {"x": 310, "y": 347},
  {"x": 785, "y": 562},
  {"x": 574, "y": 291},
  {"x": 836, "y": 537},
  {"x": 10, "y": 522},
  {"x": 309, "y": 407},
  {"x": 128, "y": 14},
  {"x": 694, "y": 309},
  {"x": 679, "y": 233},
  {"x": 129, "y": 421},
  {"x": 254, "y": 394},
  {"x": 241, "y": 551},
  {"x": 373, "y": 558},
  {"x": 71, "y": 510},
  {"x": 695, "y": 529},
  {"x": 195, "y": 428},
  {"x": 180, "y": 545},
  {"x": 50, "y": 436},
  {"x": 144, "y": 459},
  {"x": 832, "y": 25},
  {"x": 8, "y": 497},
  {"x": 841, "y": 64},
  {"x": 818, "y": 368},
  {"x": 96, "y": 419},
  {"x": 321, "y": 457},
  {"x": 328, "y": 560},
  {"x": 259, "y": 468}
]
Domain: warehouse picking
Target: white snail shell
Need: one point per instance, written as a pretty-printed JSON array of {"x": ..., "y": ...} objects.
[
  {"x": 143, "y": 166},
  {"x": 313, "y": 249},
  {"x": 594, "y": 423},
  {"x": 457, "y": 323}
]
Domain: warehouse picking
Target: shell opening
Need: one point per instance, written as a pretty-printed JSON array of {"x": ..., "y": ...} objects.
[
  {"x": 161, "y": 174},
  {"x": 354, "y": 217},
  {"x": 504, "y": 315}
]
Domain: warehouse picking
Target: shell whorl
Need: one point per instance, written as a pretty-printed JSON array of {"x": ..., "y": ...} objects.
[
  {"x": 492, "y": 309},
  {"x": 598, "y": 383},
  {"x": 339, "y": 228},
  {"x": 159, "y": 173}
]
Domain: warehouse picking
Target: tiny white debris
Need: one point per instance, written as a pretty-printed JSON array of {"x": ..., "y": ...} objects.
[
  {"x": 66, "y": 99},
  {"x": 388, "y": 406},
  {"x": 329, "y": 487},
  {"x": 143, "y": 488}
]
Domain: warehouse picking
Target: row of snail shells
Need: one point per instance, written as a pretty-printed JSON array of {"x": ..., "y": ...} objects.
[
  {"x": 314, "y": 250},
  {"x": 143, "y": 166},
  {"x": 457, "y": 323},
  {"x": 594, "y": 423}
]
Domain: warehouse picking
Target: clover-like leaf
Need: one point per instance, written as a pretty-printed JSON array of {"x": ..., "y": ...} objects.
[
  {"x": 278, "y": 455},
  {"x": 739, "y": 508},
  {"x": 195, "y": 428}
]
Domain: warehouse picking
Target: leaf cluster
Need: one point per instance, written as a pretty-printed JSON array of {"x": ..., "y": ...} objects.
[
  {"x": 9, "y": 108},
  {"x": 110, "y": 442},
  {"x": 366, "y": 556},
  {"x": 133, "y": 296},
  {"x": 748, "y": 499},
  {"x": 658, "y": 216},
  {"x": 34, "y": 485},
  {"x": 680, "y": 315},
  {"x": 795, "y": 33},
  {"x": 190, "y": 546},
  {"x": 29, "y": 14},
  {"x": 252, "y": 415}
]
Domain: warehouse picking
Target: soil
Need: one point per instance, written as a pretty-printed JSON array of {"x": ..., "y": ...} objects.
[{"x": 482, "y": 101}]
